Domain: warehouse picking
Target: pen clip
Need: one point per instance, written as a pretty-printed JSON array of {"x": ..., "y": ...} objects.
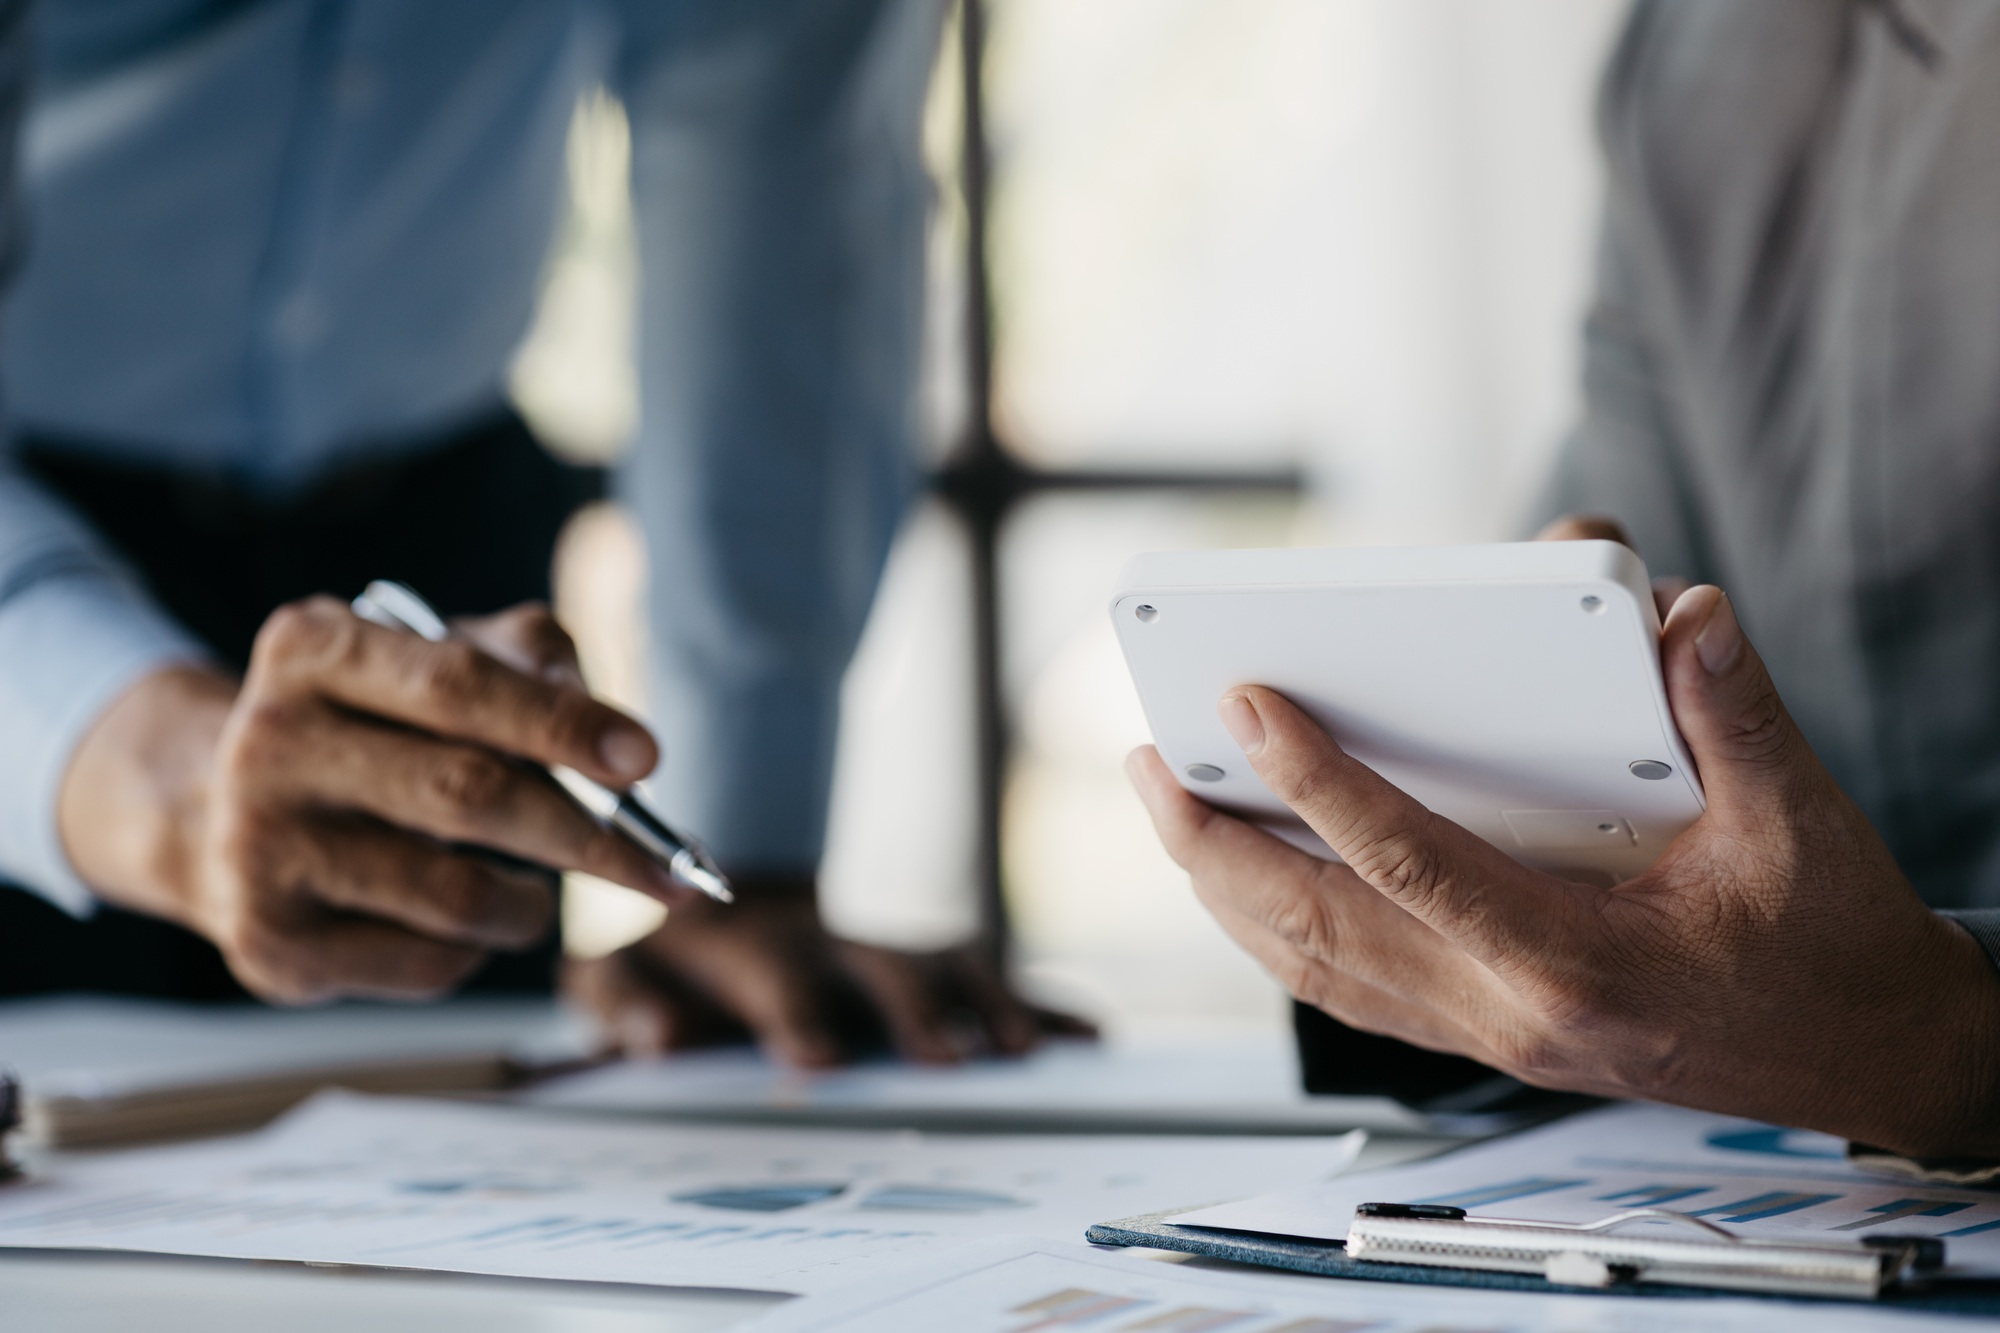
[
  {"x": 1646, "y": 1215},
  {"x": 391, "y": 605},
  {"x": 1440, "y": 1212}
]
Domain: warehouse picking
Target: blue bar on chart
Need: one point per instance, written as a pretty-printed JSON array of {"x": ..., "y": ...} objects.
[
  {"x": 1897, "y": 1209},
  {"x": 1513, "y": 1189},
  {"x": 1653, "y": 1196},
  {"x": 1759, "y": 1207}
]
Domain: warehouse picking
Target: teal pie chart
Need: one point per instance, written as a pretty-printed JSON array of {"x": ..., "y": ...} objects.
[
  {"x": 771, "y": 1198},
  {"x": 937, "y": 1199}
]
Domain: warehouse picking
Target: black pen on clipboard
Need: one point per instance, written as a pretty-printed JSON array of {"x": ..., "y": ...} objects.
[{"x": 393, "y": 606}]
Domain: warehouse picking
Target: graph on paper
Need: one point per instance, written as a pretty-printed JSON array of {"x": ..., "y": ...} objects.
[
  {"x": 1754, "y": 1179},
  {"x": 1832, "y": 1211},
  {"x": 420, "y": 1184}
]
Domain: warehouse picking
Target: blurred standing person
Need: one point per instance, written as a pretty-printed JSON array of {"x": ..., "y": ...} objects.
[{"x": 280, "y": 255}]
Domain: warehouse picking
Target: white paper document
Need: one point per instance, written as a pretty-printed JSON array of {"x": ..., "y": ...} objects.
[
  {"x": 1027, "y": 1286},
  {"x": 1241, "y": 1083},
  {"x": 1756, "y": 1180},
  {"x": 487, "y": 1189}
]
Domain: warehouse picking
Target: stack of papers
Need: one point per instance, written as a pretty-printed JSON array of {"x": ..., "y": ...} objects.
[
  {"x": 901, "y": 1231},
  {"x": 485, "y": 1189}
]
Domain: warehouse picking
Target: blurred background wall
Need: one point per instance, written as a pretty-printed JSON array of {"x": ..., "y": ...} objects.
[{"x": 1352, "y": 236}]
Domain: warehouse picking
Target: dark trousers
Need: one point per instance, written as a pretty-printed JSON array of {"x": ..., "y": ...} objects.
[{"x": 470, "y": 520}]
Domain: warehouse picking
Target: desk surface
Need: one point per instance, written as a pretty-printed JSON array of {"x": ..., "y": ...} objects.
[{"x": 70, "y": 1293}]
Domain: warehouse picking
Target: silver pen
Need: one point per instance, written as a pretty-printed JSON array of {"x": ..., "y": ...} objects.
[
  {"x": 393, "y": 606},
  {"x": 1588, "y": 1254}
]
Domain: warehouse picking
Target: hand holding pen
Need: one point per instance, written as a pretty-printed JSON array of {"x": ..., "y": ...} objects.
[
  {"x": 394, "y": 606},
  {"x": 322, "y": 819}
]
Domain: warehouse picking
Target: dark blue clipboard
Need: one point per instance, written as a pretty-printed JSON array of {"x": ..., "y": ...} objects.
[{"x": 1327, "y": 1259}]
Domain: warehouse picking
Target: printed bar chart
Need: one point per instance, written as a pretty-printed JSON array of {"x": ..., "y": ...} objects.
[
  {"x": 1897, "y": 1209},
  {"x": 1652, "y": 1196},
  {"x": 1492, "y": 1194},
  {"x": 1773, "y": 1204}
]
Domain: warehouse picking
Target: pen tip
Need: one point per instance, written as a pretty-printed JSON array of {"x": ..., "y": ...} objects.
[{"x": 708, "y": 881}]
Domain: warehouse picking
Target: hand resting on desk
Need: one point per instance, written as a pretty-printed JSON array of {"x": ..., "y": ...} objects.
[
  {"x": 1775, "y": 963},
  {"x": 769, "y": 965}
]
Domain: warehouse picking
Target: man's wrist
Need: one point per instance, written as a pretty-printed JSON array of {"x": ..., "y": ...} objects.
[
  {"x": 1961, "y": 1120},
  {"x": 1983, "y": 924},
  {"x": 134, "y": 796}
]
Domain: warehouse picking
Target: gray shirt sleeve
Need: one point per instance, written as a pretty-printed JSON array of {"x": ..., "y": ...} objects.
[
  {"x": 779, "y": 194},
  {"x": 1983, "y": 924},
  {"x": 75, "y": 631},
  {"x": 1625, "y": 459},
  {"x": 1622, "y": 460}
]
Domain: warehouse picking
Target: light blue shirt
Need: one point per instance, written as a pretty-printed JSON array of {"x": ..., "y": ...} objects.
[{"x": 267, "y": 238}]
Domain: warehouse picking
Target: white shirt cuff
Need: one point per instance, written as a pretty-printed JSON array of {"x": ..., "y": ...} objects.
[{"x": 69, "y": 646}]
